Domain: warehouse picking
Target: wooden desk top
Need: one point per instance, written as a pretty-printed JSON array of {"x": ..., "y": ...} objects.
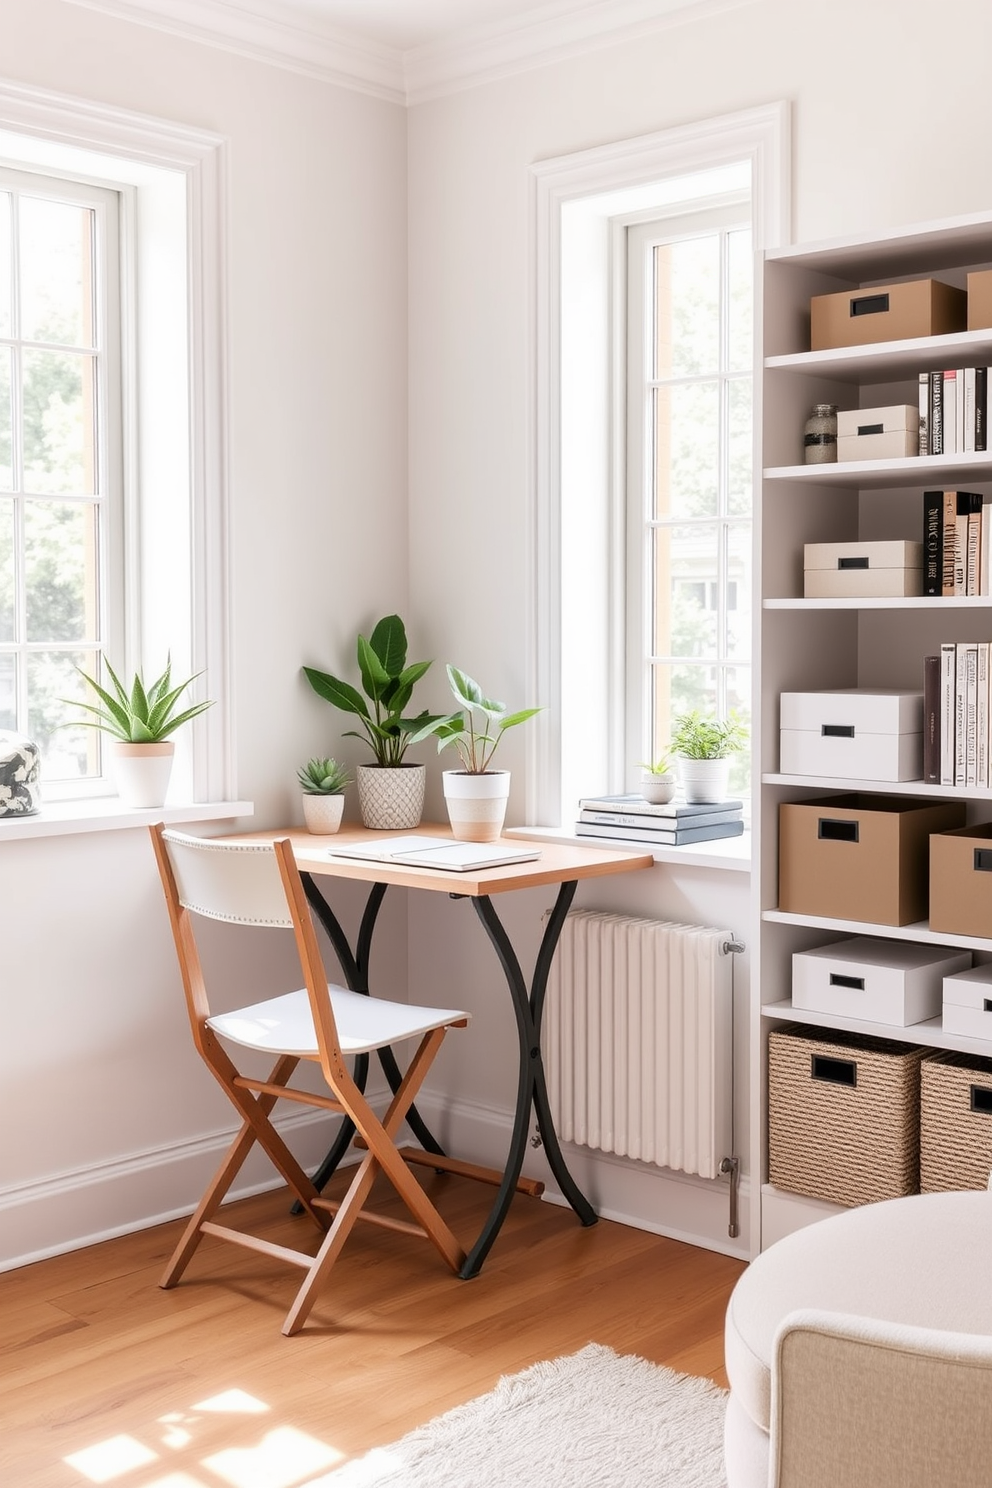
[{"x": 558, "y": 862}]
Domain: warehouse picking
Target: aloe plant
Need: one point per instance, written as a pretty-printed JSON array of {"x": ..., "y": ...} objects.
[
  {"x": 388, "y": 684},
  {"x": 473, "y": 738},
  {"x": 323, "y": 777},
  {"x": 140, "y": 714}
]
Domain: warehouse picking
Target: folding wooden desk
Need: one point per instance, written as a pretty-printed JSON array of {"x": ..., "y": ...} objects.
[{"x": 559, "y": 863}]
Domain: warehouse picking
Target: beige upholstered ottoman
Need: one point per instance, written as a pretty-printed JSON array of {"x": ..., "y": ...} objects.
[{"x": 925, "y": 1261}]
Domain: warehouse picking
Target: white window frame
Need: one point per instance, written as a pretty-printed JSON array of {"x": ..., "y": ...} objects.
[
  {"x": 172, "y": 185},
  {"x": 640, "y": 238},
  {"x": 582, "y": 687}
]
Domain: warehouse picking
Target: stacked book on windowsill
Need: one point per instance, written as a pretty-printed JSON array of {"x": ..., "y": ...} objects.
[{"x": 632, "y": 819}]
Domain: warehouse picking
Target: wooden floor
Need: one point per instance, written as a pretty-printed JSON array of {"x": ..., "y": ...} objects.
[{"x": 104, "y": 1377}]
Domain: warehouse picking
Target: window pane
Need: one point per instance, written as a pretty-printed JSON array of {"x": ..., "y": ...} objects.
[
  {"x": 58, "y": 423},
  {"x": 8, "y": 692},
  {"x": 56, "y": 272},
  {"x": 739, "y": 309},
  {"x": 686, "y": 442},
  {"x": 687, "y": 560},
  {"x": 68, "y": 753},
  {"x": 739, "y": 488},
  {"x": 687, "y": 299},
  {"x": 738, "y": 646},
  {"x": 60, "y": 570},
  {"x": 4, "y": 263},
  {"x": 6, "y": 466},
  {"x": 6, "y": 572}
]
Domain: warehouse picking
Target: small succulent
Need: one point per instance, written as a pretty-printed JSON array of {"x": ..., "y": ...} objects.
[{"x": 323, "y": 777}]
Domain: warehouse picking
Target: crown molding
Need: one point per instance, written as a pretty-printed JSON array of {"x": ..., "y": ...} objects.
[
  {"x": 300, "y": 44},
  {"x": 298, "y": 40}
]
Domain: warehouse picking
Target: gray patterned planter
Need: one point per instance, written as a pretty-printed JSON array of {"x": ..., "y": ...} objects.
[
  {"x": 20, "y": 768},
  {"x": 391, "y": 798}
]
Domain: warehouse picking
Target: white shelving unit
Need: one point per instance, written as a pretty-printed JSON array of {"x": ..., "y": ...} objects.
[{"x": 814, "y": 644}]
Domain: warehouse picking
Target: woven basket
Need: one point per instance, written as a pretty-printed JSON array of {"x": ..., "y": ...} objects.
[
  {"x": 955, "y": 1123},
  {"x": 852, "y": 1142}
]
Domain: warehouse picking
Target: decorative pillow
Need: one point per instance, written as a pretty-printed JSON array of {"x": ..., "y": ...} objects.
[{"x": 20, "y": 767}]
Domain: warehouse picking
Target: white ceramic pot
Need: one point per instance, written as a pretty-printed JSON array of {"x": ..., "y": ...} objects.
[
  {"x": 658, "y": 789},
  {"x": 476, "y": 803},
  {"x": 391, "y": 798},
  {"x": 142, "y": 771},
  {"x": 322, "y": 814},
  {"x": 704, "y": 781}
]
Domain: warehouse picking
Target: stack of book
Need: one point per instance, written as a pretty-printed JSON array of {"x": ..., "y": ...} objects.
[
  {"x": 954, "y": 410},
  {"x": 957, "y": 543},
  {"x": 632, "y": 819},
  {"x": 957, "y": 715}
]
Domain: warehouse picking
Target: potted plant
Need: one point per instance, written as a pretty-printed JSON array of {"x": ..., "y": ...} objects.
[
  {"x": 139, "y": 721},
  {"x": 475, "y": 795},
  {"x": 658, "y": 781},
  {"x": 390, "y": 791},
  {"x": 705, "y": 747},
  {"x": 324, "y": 782}
]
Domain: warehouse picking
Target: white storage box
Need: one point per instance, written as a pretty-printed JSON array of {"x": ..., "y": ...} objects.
[
  {"x": 862, "y": 570},
  {"x": 878, "y": 981},
  {"x": 967, "y": 1005},
  {"x": 878, "y": 433},
  {"x": 857, "y": 735}
]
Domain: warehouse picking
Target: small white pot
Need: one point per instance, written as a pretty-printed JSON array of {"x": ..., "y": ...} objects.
[
  {"x": 391, "y": 798},
  {"x": 142, "y": 771},
  {"x": 322, "y": 814},
  {"x": 476, "y": 803},
  {"x": 658, "y": 789},
  {"x": 704, "y": 780}
]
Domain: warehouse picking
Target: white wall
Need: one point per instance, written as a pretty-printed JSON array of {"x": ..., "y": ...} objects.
[{"x": 97, "y": 1075}]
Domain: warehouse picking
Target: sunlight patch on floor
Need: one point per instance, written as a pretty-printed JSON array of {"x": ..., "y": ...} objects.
[{"x": 281, "y": 1459}]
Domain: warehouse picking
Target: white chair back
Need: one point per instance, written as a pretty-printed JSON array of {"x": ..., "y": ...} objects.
[{"x": 238, "y": 882}]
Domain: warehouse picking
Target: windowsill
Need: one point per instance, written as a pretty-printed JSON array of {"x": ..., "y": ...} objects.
[
  {"x": 62, "y": 818},
  {"x": 732, "y": 853}
]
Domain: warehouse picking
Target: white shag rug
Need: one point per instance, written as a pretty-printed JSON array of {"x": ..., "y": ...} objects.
[{"x": 595, "y": 1419}]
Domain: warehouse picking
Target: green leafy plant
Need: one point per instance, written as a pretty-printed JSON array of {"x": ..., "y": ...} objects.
[
  {"x": 476, "y": 731},
  {"x": 323, "y": 777},
  {"x": 388, "y": 684},
  {"x": 699, "y": 738},
  {"x": 140, "y": 714},
  {"x": 661, "y": 766}
]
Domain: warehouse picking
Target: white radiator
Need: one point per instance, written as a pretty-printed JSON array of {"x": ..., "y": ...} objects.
[{"x": 638, "y": 1040}]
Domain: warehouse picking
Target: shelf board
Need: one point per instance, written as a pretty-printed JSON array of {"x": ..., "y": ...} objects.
[
  {"x": 887, "y": 360},
  {"x": 919, "y": 932},
  {"x": 916, "y": 470},
  {"x": 928, "y": 1032},
  {"x": 881, "y": 787},
  {"x": 900, "y": 602}
]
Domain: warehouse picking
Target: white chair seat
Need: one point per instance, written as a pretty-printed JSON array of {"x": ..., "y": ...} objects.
[{"x": 283, "y": 1025}]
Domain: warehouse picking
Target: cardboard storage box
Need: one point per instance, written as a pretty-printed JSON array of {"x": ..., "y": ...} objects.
[
  {"x": 862, "y": 570},
  {"x": 980, "y": 300},
  {"x": 955, "y": 1121},
  {"x": 878, "y": 433},
  {"x": 843, "y": 1115},
  {"x": 854, "y": 735},
  {"x": 887, "y": 312},
  {"x": 880, "y": 981},
  {"x": 860, "y": 857},
  {"x": 961, "y": 881},
  {"x": 967, "y": 1002}
]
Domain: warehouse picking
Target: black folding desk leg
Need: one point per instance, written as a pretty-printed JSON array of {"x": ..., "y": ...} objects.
[
  {"x": 531, "y": 1085},
  {"x": 355, "y": 967}
]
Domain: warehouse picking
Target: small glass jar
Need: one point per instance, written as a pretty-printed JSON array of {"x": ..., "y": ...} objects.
[{"x": 820, "y": 435}]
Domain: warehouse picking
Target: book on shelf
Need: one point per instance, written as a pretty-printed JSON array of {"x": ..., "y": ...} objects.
[
  {"x": 674, "y": 810},
  {"x": 645, "y": 823},
  {"x": 950, "y": 422},
  {"x": 931, "y": 720},
  {"x": 981, "y": 409},
  {"x": 924, "y": 409},
  {"x": 936, "y": 413},
  {"x": 957, "y": 543},
  {"x": 954, "y": 411},
  {"x": 964, "y": 708},
  {"x": 678, "y": 837}
]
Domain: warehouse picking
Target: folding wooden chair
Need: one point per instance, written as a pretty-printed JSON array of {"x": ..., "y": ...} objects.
[{"x": 259, "y": 885}]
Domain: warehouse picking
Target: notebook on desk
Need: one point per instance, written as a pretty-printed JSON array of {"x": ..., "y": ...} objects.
[{"x": 429, "y": 852}]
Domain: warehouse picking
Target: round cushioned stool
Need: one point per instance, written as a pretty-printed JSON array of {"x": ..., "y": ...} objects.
[{"x": 925, "y": 1261}]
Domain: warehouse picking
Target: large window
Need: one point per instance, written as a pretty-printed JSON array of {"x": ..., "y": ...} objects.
[
  {"x": 61, "y": 579},
  {"x": 688, "y": 514}
]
